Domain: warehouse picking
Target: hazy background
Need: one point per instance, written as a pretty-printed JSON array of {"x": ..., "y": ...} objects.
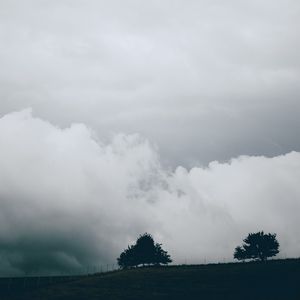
[{"x": 180, "y": 118}]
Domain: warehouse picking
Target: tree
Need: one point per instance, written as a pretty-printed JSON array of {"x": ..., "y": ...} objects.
[
  {"x": 127, "y": 258},
  {"x": 257, "y": 246},
  {"x": 145, "y": 249},
  {"x": 144, "y": 252},
  {"x": 161, "y": 256},
  {"x": 239, "y": 253}
]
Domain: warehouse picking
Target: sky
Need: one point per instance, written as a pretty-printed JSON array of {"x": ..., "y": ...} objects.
[{"x": 178, "y": 118}]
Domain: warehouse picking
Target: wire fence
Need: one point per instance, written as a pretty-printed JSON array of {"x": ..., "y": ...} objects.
[{"x": 34, "y": 279}]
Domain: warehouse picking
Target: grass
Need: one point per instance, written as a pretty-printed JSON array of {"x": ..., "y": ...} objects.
[{"x": 277, "y": 279}]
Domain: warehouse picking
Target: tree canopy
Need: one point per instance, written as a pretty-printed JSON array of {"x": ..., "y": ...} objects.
[
  {"x": 257, "y": 246},
  {"x": 144, "y": 252}
]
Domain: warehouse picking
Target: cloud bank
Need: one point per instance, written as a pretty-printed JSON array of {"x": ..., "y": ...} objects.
[
  {"x": 68, "y": 199},
  {"x": 204, "y": 80}
]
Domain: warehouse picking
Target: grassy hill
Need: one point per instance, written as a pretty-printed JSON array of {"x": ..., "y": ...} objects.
[{"x": 278, "y": 279}]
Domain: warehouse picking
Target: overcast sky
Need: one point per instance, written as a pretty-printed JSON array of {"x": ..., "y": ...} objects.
[{"x": 180, "y": 118}]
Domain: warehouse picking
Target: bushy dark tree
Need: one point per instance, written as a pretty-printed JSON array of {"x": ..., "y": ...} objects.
[
  {"x": 127, "y": 258},
  {"x": 239, "y": 253},
  {"x": 145, "y": 249},
  {"x": 257, "y": 246},
  {"x": 144, "y": 252},
  {"x": 161, "y": 256}
]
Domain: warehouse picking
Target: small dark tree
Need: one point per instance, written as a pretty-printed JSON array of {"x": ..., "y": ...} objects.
[
  {"x": 127, "y": 258},
  {"x": 143, "y": 252},
  {"x": 257, "y": 246},
  {"x": 161, "y": 256},
  {"x": 145, "y": 249},
  {"x": 239, "y": 253}
]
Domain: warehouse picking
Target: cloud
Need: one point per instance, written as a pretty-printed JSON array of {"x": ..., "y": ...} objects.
[
  {"x": 68, "y": 199},
  {"x": 64, "y": 196},
  {"x": 225, "y": 201},
  {"x": 205, "y": 79}
]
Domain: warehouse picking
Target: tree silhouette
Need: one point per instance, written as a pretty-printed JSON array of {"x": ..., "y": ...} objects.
[
  {"x": 144, "y": 252},
  {"x": 257, "y": 246},
  {"x": 127, "y": 258},
  {"x": 239, "y": 253},
  {"x": 145, "y": 249},
  {"x": 161, "y": 256}
]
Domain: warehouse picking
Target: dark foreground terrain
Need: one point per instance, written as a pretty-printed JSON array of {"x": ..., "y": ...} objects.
[{"x": 278, "y": 279}]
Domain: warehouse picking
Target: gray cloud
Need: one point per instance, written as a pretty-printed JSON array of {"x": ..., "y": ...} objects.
[
  {"x": 204, "y": 80},
  {"x": 162, "y": 84},
  {"x": 69, "y": 199}
]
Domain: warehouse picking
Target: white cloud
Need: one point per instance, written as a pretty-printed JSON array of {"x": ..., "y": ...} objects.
[
  {"x": 68, "y": 199},
  {"x": 205, "y": 79}
]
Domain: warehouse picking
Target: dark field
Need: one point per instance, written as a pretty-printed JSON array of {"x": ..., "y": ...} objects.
[{"x": 277, "y": 279}]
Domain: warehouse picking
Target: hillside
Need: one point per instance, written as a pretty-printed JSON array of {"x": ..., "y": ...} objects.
[{"x": 278, "y": 279}]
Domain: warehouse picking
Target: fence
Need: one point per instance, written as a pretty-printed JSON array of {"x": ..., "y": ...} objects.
[{"x": 34, "y": 280}]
